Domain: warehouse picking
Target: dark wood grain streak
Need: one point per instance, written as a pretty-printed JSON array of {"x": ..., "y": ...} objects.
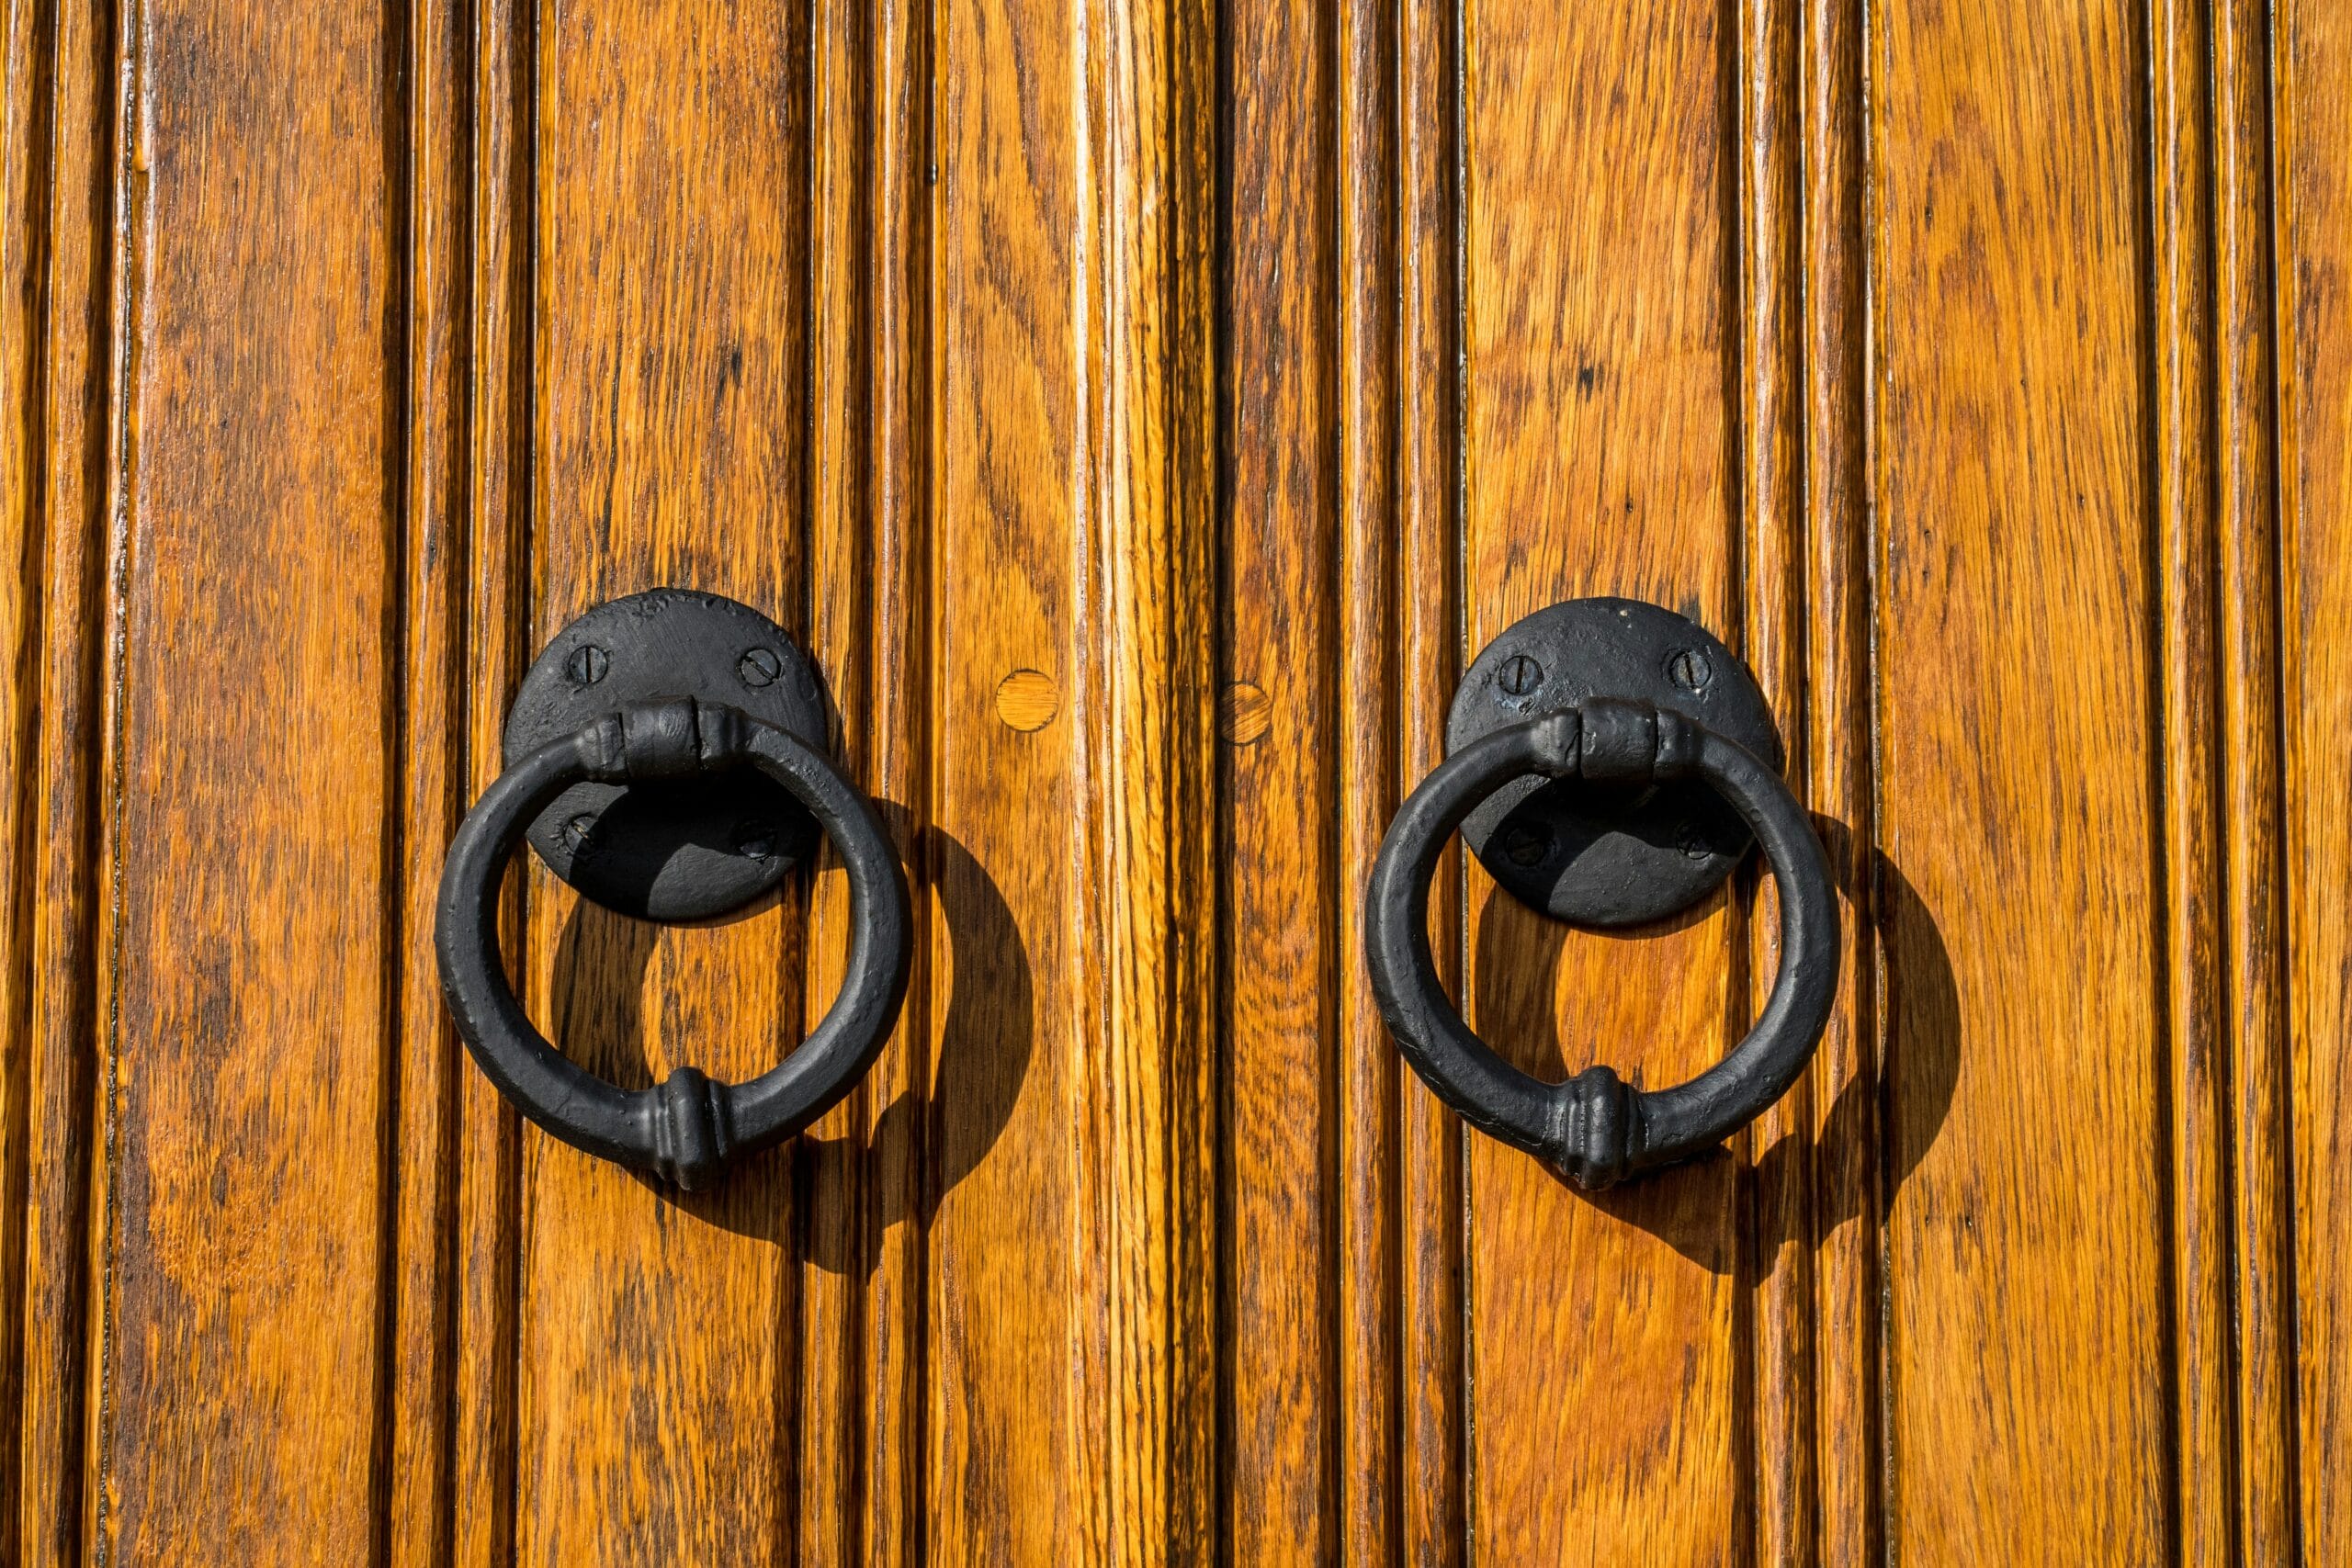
[
  {"x": 2312, "y": 225},
  {"x": 59, "y": 217},
  {"x": 1433, "y": 1523},
  {"x": 485, "y": 1415},
  {"x": 27, "y": 153},
  {"x": 1840, "y": 752}
]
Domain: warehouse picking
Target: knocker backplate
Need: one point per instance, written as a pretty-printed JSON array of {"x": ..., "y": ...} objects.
[
  {"x": 671, "y": 850},
  {"x": 1581, "y": 852}
]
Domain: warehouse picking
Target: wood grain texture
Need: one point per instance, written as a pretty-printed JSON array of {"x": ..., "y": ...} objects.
[
  {"x": 1432, "y": 1431},
  {"x": 1600, "y": 339},
  {"x": 1840, "y": 746},
  {"x": 2312, "y": 59},
  {"x": 2181, "y": 245},
  {"x": 1284, "y": 603},
  {"x": 242, "y": 1302},
  {"x": 670, "y": 416},
  {"x": 66, "y": 495},
  {"x": 2018, "y": 708},
  {"x": 1068, "y": 374}
]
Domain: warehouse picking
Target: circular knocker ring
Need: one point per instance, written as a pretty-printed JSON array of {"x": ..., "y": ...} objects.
[
  {"x": 687, "y": 1128},
  {"x": 1595, "y": 1127}
]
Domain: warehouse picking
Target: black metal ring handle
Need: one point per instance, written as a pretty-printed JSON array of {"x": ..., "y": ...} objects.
[
  {"x": 687, "y": 1128},
  {"x": 1594, "y": 1127}
]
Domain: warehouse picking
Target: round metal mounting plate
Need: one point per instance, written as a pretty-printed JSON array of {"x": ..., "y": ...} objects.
[
  {"x": 1577, "y": 852},
  {"x": 674, "y": 850}
]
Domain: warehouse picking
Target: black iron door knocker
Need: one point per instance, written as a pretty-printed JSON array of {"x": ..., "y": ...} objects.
[
  {"x": 666, "y": 756},
  {"x": 1609, "y": 763}
]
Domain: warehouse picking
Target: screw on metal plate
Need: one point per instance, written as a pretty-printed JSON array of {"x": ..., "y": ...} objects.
[
  {"x": 1589, "y": 853},
  {"x": 678, "y": 849}
]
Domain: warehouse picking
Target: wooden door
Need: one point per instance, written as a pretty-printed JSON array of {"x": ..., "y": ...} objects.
[{"x": 1142, "y": 409}]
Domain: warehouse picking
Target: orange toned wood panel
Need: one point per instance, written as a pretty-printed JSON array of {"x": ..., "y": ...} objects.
[
  {"x": 243, "y": 1060},
  {"x": 1067, "y": 1406},
  {"x": 58, "y": 231},
  {"x": 2020, "y": 819},
  {"x": 1142, "y": 410},
  {"x": 1597, "y": 460},
  {"x": 1282, "y": 624},
  {"x": 2312, "y": 233},
  {"x": 667, "y": 221}
]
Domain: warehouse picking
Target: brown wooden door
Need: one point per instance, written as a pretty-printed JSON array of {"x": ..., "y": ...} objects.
[{"x": 1142, "y": 409}]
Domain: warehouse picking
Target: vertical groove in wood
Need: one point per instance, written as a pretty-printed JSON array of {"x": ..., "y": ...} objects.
[
  {"x": 502, "y": 151},
  {"x": 2182, "y": 279},
  {"x": 128, "y": 277},
  {"x": 428, "y": 766},
  {"x": 1289, "y": 705},
  {"x": 2311, "y": 232},
  {"x": 1366, "y": 1501},
  {"x": 58, "y": 175},
  {"x": 73, "y": 341},
  {"x": 894, "y": 1221},
  {"x": 1840, "y": 760},
  {"x": 28, "y": 154},
  {"x": 1432, "y": 1433},
  {"x": 76, "y": 337},
  {"x": 2252, "y": 796},
  {"x": 832, "y": 1179},
  {"x": 1199, "y": 1360},
  {"x": 1765, "y": 134}
]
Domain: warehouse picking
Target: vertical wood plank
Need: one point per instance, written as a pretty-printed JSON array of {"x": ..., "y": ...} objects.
[
  {"x": 1147, "y": 703},
  {"x": 1068, "y": 1331},
  {"x": 1599, "y": 460},
  {"x": 657, "y": 1405},
  {"x": 246, "y": 1110},
  {"x": 2313, "y": 322},
  {"x": 2017, "y": 630},
  {"x": 1282, "y": 626},
  {"x": 829, "y": 1461},
  {"x": 1010, "y": 1328}
]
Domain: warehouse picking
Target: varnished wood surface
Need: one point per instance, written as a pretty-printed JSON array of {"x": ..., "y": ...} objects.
[{"x": 1143, "y": 410}]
